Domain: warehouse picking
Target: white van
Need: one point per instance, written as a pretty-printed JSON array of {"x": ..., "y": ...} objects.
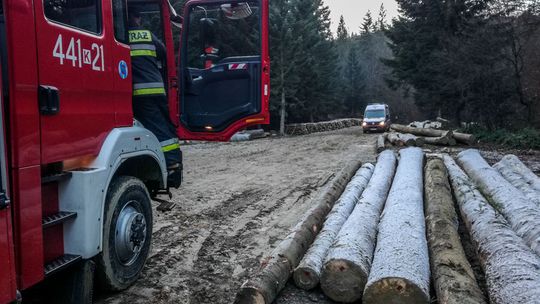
[{"x": 376, "y": 118}]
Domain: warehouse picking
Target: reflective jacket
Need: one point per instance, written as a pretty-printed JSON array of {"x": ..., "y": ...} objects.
[{"x": 146, "y": 54}]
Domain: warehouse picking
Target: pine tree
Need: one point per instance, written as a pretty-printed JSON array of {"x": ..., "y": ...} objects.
[
  {"x": 381, "y": 21},
  {"x": 342, "y": 33},
  {"x": 367, "y": 25}
]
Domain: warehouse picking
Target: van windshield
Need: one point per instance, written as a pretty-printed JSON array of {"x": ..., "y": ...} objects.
[{"x": 374, "y": 114}]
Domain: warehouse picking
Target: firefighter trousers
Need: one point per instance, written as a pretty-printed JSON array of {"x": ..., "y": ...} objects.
[{"x": 153, "y": 113}]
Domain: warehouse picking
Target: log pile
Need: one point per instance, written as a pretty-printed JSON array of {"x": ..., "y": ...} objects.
[
  {"x": 417, "y": 137},
  {"x": 308, "y": 128},
  {"x": 392, "y": 232}
]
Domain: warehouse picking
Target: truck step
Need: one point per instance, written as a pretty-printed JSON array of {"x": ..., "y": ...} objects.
[
  {"x": 57, "y": 218},
  {"x": 60, "y": 263},
  {"x": 58, "y": 177}
]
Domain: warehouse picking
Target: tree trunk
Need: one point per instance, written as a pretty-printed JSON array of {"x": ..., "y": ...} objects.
[
  {"x": 518, "y": 174},
  {"x": 522, "y": 214},
  {"x": 276, "y": 270},
  {"x": 411, "y": 140},
  {"x": 400, "y": 271},
  {"x": 440, "y": 141},
  {"x": 509, "y": 167},
  {"x": 395, "y": 140},
  {"x": 421, "y": 131},
  {"x": 511, "y": 268},
  {"x": 453, "y": 276},
  {"x": 307, "y": 274},
  {"x": 381, "y": 140},
  {"x": 348, "y": 262},
  {"x": 468, "y": 139}
]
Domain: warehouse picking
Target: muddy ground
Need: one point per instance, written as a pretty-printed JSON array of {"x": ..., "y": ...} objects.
[{"x": 237, "y": 202}]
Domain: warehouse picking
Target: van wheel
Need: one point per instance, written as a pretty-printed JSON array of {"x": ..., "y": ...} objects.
[{"x": 127, "y": 234}]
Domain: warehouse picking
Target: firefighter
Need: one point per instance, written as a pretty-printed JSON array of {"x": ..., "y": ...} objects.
[{"x": 150, "y": 105}]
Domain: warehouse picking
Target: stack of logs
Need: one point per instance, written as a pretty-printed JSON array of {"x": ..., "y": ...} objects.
[
  {"x": 315, "y": 127},
  {"x": 418, "y": 137},
  {"x": 394, "y": 229}
]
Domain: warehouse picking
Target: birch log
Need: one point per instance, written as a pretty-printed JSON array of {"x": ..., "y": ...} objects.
[
  {"x": 421, "y": 131},
  {"x": 512, "y": 269},
  {"x": 381, "y": 140},
  {"x": 453, "y": 276},
  {"x": 520, "y": 176},
  {"x": 347, "y": 264},
  {"x": 307, "y": 274},
  {"x": 522, "y": 214},
  {"x": 400, "y": 271},
  {"x": 275, "y": 271}
]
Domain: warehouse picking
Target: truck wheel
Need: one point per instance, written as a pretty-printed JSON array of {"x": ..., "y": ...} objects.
[{"x": 127, "y": 234}]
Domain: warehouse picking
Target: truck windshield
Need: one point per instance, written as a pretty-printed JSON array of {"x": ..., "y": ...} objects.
[{"x": 374, "y": 114}]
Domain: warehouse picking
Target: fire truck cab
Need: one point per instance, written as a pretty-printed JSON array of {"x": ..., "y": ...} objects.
[{"x": 76, "y": 171}]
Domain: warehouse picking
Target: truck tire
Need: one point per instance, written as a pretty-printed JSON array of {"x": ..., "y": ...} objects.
[{"x": 127, "y": 234}]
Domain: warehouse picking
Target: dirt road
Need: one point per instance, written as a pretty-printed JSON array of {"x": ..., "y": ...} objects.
[{"x": 238, "y": 200}]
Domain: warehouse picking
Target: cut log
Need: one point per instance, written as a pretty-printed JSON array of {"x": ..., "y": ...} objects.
[
  {"x": 381, "y": 140},
  {"x": 347, "y": 264},
  {"x": 400, "y": 271},
  {"x": 275, "y": 271},
  {"x": 420, "y": 131},
  {"x": 511, "y": 268},
  {"x": 514, "y": 171},
  {"x": 518, "y": 173},
  {"x": 307, "y": 274},
  {"x": 440, "y": 141},
  {"x": 395, "y": 140},
  {"x": 468, "y": 139},
  {"x": 453, "y": 276},
  {"x": 522, "y": 214},
  {"x": 411, "y": 140}
]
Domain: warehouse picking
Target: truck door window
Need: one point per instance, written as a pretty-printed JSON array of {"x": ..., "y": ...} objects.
[
  {"x": 120, "y": 20},
  {"x": 81, "y": 14},
  {"x": 214, "y": 34}
]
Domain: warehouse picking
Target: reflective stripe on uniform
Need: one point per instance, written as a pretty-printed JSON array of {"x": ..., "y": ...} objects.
[
  {"x": 154, "y": 91},
  {"x": 170, "y": 145},
  {"x": 136, "y": 36},
  {"x": 149, "y": 88},
  {"x": 143, "y": 50}
]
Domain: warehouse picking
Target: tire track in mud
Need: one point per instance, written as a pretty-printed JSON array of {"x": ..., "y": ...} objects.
[{"x": 225, "y": 259}]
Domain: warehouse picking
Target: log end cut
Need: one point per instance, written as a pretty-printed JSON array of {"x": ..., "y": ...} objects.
[
  {"x": 305, "y": 278},
  {"x": 343, "y": 281},
  {"x": 394, "y": 291},
  {"x": 249, "y": 296}
]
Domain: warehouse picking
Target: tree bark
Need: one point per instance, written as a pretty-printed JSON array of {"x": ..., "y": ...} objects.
[
  {"x": 453, "y": 276},
  {"x": 519, "y": 175},
  {"x": 440, "y": 141},
  {"x": 511, "y": 268},
  {"x": 421, "y": 131},
  {"x": 276, "y": 270},
  {"x": 411, "y": 140},
  {"x": 400, "y": 271},
  {"x": 522, "y": 214},
  {"x": 307, "y": 274},
  {"x": 395, "y": 140},
  {"x": 348, "y": 262},
  {"x": 468, "y": 139},
  {"x": 381, "y": 140}
]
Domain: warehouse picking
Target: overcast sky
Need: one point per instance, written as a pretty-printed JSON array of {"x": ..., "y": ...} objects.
[{"x": 354, "y": 10}]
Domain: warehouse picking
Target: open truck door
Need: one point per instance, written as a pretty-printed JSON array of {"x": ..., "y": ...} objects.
[{"x": 224, "y": 68}]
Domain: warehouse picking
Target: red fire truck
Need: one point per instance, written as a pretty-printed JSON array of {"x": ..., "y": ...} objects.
[{"x": 76, "y": 172}]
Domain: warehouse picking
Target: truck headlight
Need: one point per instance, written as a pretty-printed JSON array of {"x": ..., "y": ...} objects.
[
  {"x": 364, "y": 124},
  {"x": 381, "y": 123}
]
